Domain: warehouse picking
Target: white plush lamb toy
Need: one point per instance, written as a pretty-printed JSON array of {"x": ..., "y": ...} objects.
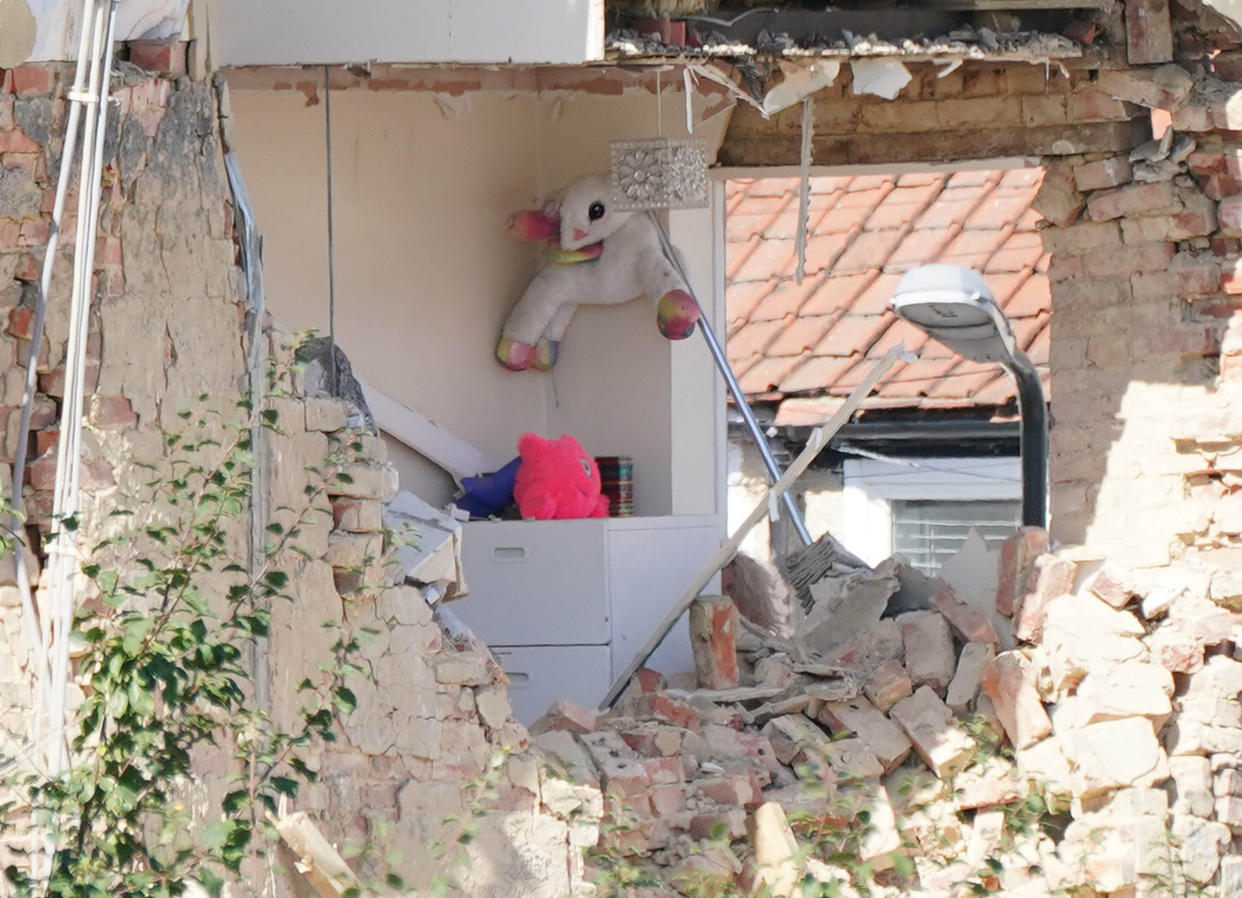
[{"x": 596, "y": 255}]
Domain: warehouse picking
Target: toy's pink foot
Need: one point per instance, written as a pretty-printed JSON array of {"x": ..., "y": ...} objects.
[
  {"x": 546, "y": 352},
  {"x": 515, "y": 355},
  {"x": 677, "y": 313}
]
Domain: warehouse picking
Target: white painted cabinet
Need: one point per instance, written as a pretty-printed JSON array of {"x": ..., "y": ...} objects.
[{"x": 566, "y": 604}]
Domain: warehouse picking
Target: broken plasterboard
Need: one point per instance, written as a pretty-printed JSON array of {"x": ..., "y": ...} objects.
[
  {"x": 882, "y": 77},
  {"x": 799, "y": 81},
  {"x": 428, "y": 546},
  {"x": 458, "y": 456}
]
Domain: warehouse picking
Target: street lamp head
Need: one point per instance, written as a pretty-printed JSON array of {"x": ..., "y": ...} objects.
[{"x": 954, "y": 306}]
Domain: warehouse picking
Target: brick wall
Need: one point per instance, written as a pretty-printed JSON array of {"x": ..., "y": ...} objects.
[
  {"x": 1144, "y": 272},
  {"x": 166, "y": 335}
]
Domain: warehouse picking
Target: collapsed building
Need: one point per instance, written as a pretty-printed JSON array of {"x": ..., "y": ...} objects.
[{"x": 1144, "y": 235}]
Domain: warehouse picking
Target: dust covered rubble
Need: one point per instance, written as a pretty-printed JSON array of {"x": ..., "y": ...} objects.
[{"x": 1029, "y": 723}]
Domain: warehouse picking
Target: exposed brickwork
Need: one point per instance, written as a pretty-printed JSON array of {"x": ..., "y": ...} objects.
[{"x": 165, "y": 335}]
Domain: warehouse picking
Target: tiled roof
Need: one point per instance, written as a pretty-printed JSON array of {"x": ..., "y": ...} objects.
[{"x": 807, "y": 345}]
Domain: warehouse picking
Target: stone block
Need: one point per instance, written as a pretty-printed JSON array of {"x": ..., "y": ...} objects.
[
  {"x": 863, "y": 652},
  {"x": 859, "y": 717},
  {"x": 1115, "y": 754},
  {"x": 1162, "y": 87},
  {"x": 1149, "y": 34},
  {"x": 1112, "y": 585},
  {"x": 929, "y": 656},
  {"x": 1058, "y": 199},
  {"x": 1050, "y": 577},
  {"x": 1201, "y": 844},
  {"x": 1192, "y": 783},
  {"x": 1229, "y": 812},
  {"x": 1017, "y": 558},
  {"x": 887, "y": 685},
  {"x": 937, "y": 737},
  {"x": 775, "y": 849},
  {"x": 664, "y": 708},
  {"x": 326, "y": 415},
  {"x": 1228, "y": 781},
  {"x": 1010, "y": 681},
  {"x": 1133, "y": 199},
  {"x": 713, "y": 641},
  {"x": 621, "y": 774},
  {"x": 1081, "y": 632},
  {"x": 732, "y": 789},
  {"x": 793, "y": 736},
  {"x": 974, "y": 658},
  {"x": 970, "y": 624},
  {"x": 1128, "y": 689},
  {"x": 1102, "y": 174},
  {"x": 565, "y": 715},
  {"x": 1045, "y": 765},
  {"x": 461, "y": 669}
]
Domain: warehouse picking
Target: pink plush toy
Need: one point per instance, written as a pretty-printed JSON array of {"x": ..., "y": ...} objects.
[
  {"x": 597, "y": 255},
  {"x": 557, "y": 480}
]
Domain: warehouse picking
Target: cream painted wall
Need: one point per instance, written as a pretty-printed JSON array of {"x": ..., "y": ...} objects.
[{"x": 425, "y": 274}]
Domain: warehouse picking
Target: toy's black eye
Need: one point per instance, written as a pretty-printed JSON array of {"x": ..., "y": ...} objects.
[{"x": 596, "y": 212}]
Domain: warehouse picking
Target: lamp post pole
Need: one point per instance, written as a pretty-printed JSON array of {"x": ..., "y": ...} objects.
[{"x": 1033, "y": 440}]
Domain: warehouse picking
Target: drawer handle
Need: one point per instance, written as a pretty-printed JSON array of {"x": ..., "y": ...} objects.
[
  {"x": 517, "y": 679},
  {"x": 509, "y": 553}
]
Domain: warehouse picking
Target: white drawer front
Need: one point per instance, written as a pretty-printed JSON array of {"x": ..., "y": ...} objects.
[
  {"x": 536, "y": 582},
  {"x": 540, "y": 675}
]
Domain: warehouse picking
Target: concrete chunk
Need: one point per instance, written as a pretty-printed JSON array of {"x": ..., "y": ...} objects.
[
  {"x": 940, "y": 741},
  {"x": 861, "y": 718},
  {"x": 964, "y": 686},
  {"x": 929, "y": 648},
  {"x": 1009, "y": 680},
  {"x": 888, "y": 685},
  {"x": 1115, "y": 754}
]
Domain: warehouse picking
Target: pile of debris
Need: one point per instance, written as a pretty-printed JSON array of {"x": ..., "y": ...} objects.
[{"x": 1027, "y": 723}]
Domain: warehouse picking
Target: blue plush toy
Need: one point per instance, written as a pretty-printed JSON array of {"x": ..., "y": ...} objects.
[{"x": 489, "y": 494}]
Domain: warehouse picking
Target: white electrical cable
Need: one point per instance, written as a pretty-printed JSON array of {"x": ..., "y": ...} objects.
[
  {"x": 64, "y": 555},
  {"x": 30, "y": 617}
]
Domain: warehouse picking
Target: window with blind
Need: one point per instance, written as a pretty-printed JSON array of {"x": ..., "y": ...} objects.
[{"x": 928, "y": 531}]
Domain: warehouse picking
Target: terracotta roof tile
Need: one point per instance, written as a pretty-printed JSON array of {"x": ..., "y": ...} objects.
[
  {"x": 1022, "y": 250},
  {"x": 865, "y": 231},
  {"x": 851, "y": 335},
  {"x": 838, "y": 292},
  {"x": 876, "y": 298},
  {"x": 787, "y": 298},
  {"x": 971, "y": 248},
  {"x": 753, "y": 340},
  {"x": 866, "y": 248},
  {"x": 816, "y": 373},
  {"x": 1003, "y": 208},
  {"x": 741, "y": 299},
  {"x": 803, "y": 334},
  {"x": 952, "y": 207},
  {"x": 765, "y": 374}
]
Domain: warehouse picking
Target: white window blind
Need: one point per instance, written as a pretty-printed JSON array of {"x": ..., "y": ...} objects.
[{"x": 928, "y": 531}]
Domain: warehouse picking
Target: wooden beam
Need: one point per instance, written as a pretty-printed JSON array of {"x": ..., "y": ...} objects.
[
  {"x": 761, "y": 150},
  {"x": 318, "y": 861},
  {"x": 1149, "y": 34}
]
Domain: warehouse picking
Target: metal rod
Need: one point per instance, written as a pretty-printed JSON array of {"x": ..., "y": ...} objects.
[
  {"x": 756, "y": 432},
  {"x": 1033, "y": 441},
  {"x": 816, "y": 444},
  {"x": 722, "y": 363}
]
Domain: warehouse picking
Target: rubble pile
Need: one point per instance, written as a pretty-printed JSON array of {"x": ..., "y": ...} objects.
[{"x": 1028, "y": 723}]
